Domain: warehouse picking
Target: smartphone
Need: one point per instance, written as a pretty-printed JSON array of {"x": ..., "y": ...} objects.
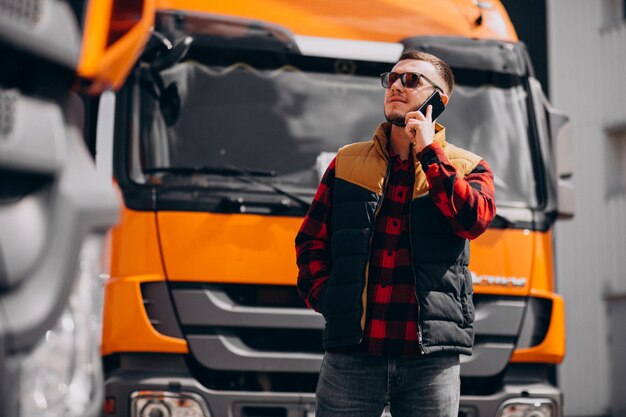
[{"x": 435, "y": 101}]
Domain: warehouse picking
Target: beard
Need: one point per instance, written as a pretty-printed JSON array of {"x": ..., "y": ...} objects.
[{"x": 396, "y": 119}]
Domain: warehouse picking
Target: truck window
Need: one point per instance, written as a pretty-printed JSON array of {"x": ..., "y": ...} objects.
[{"x": 285, "y": 112}]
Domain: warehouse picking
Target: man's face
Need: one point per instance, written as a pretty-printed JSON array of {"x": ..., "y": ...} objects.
[{"x": 399, "y": 100}]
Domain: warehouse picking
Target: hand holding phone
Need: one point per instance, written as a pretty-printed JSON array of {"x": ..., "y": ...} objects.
[{"x": 419, "y": 130}]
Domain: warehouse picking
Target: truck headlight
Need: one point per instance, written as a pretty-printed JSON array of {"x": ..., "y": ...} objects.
[
  {"x": 527, "y": 407},
  {"x": 62, "y": 375},
  {"x": 167, "y": 404}
]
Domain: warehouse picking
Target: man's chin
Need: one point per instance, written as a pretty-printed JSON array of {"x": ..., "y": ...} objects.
[{"x": 396, "y": 120}]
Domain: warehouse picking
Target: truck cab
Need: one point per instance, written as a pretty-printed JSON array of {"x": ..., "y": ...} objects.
[{"x": 222, "y": 133}]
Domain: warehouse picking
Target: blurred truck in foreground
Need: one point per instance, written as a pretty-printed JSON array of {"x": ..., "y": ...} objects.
[{"x": 54, "y": 208}]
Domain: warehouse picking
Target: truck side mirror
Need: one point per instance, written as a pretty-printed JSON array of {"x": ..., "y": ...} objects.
[
  {"x": 165, "y": 54},
  {"x": 561, "y": 135}
]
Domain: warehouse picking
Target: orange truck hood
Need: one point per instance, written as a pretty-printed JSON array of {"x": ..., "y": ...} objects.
[{"x": 255, "y": 249}]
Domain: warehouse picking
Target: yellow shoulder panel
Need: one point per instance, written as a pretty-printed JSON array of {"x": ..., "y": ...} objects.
[
  {"x": 361, "y": 164},
  {"x": 464, "y": 161}
]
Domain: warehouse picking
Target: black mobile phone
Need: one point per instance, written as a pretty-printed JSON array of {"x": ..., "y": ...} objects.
[{"x": 435, "y": 101}]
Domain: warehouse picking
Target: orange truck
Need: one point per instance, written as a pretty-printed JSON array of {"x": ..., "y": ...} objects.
[{"x": 220, "y": 137}]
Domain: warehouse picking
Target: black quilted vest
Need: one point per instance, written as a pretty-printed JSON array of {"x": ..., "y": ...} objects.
[{"x": 443, "y": 284}]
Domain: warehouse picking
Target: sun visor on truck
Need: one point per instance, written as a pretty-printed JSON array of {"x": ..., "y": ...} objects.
[{"x": 475, "y": 54}]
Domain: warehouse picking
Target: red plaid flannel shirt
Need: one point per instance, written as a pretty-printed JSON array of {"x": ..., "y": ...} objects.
[{"x": 391, "y": 320}]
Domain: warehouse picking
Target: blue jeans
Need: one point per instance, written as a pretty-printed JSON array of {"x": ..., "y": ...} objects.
[{"x": 356, "y": 384}]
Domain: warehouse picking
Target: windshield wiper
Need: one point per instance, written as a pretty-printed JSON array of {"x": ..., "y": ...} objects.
[
  {"x": 235, "y": 172},
  {"x": 225, "y": 170}
]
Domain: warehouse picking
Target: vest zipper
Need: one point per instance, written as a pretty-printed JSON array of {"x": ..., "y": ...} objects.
[
  {"x": 417, "y": 301},
  {"x": 369, "y": 250}
]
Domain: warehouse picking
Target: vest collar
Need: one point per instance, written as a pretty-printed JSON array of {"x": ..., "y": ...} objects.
[{"x": 381, "y": 138}]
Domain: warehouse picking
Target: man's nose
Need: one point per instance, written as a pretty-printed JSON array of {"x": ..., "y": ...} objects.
[{"x": 397, "y": 85}]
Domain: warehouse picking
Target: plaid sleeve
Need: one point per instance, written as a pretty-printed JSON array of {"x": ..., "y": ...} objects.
[
  {"x": 468, "y": 203},
  {"x": 313, "y": 243}
]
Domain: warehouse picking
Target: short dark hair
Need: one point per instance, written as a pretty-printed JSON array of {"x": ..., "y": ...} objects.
[{"x": 442, "y": 68}]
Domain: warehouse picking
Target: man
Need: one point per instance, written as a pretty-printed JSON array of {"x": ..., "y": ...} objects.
[{"x": 383, "y": 255}]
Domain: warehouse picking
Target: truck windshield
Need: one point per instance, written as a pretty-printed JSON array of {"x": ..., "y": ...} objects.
[{"x": 291, "y": 116}]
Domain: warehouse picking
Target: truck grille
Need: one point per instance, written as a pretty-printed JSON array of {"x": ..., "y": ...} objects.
[{"x": 265, "y": 334}]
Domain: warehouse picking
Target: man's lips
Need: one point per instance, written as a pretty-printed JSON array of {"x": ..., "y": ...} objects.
[{"x": 396, "y": 100}]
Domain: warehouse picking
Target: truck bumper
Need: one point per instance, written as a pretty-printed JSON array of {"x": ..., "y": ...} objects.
[{"x": 121, "y": 387}]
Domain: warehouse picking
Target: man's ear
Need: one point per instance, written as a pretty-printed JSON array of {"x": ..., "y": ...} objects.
[{"x": 444, "y": 98}]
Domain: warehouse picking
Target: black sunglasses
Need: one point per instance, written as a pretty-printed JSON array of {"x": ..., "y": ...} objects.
[{"x": 408, "y": 79}]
